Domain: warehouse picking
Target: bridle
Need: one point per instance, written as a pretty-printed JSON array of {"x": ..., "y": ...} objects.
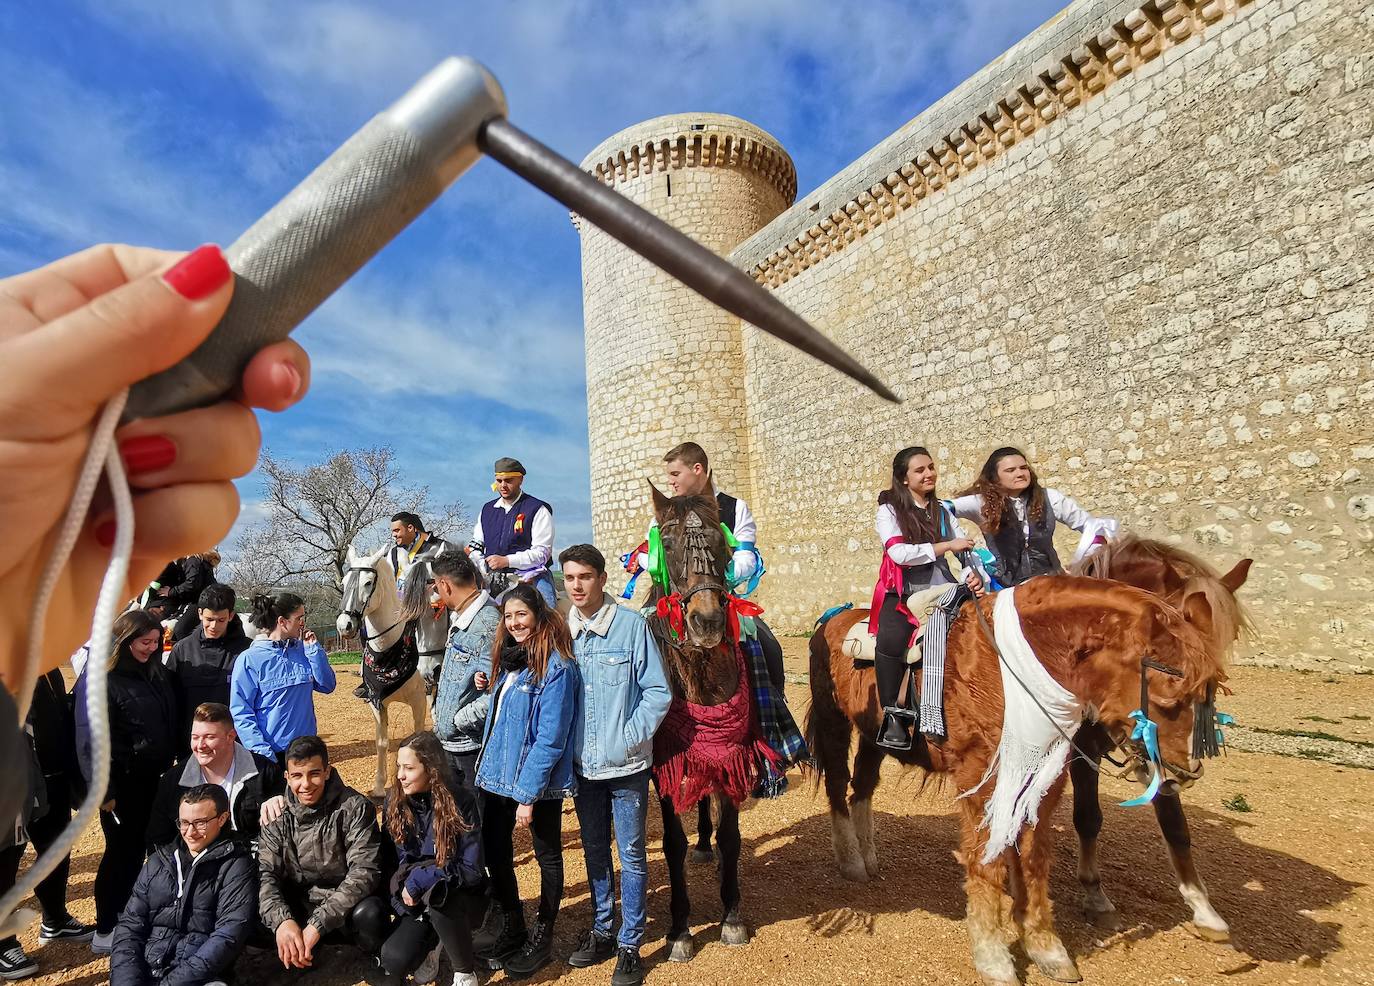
[
  {"x": 358, "y": 613},
  {"x": 698, "y": 561}
]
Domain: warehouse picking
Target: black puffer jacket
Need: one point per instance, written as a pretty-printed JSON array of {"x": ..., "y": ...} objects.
[
  {"x": 187, "y": 920},
  {"x": 143, "y": 725},
  {"x": 196, "y": 575},
  {"x": 200, "y": 670}
]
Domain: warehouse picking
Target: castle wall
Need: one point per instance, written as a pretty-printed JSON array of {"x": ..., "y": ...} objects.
[
  {"x": 663, "y": 365},
  {"x": 1138, "y": 245}
]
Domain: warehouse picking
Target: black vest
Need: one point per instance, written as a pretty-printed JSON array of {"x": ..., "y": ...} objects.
[
  {"x": 918, "y": 577},
  {"x": 1021, "y": 556},
  {"x": 726, "y": 504}
]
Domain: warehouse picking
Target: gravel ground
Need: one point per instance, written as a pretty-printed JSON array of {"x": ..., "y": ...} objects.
[{"x": 1292, "y": 874}]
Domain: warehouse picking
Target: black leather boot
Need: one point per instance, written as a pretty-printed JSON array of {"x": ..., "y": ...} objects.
[
  {"x": 895, "y": 732},
  {"x": 537, "y": 953}
]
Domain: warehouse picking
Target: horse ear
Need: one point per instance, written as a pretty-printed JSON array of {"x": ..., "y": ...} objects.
[
  {"x": 351, "y": 557},
  {"x": 1236, "y": 577},
  {"x": 1197, "y": 610},
  {"x": 661, "y": 502}
]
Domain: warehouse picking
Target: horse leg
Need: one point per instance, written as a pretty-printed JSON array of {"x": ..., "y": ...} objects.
[
  {"x": 1206, "y": 921},
  {"x": 987, "y": 904},
  {"x": 701, "y": 852},
  {"x": 828, "y": 732},
  {"x": 868, "y": 761},
  {"x": 680, "y": 945},
  {"x": 1036, "y": 914},
  {"x": 1087, "y": 822},
  {"x": 383, "y": 743},
  {"x": 419, "y": 703},
  {"x": 733, "y": 930}
]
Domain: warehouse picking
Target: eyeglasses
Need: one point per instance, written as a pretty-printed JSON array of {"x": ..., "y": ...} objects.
[{"x": 196, "y": 824}]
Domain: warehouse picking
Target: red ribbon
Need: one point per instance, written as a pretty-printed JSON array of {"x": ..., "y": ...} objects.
[
  {"x": 670, "y": 608},
  {"x": 735, "y": 607}
]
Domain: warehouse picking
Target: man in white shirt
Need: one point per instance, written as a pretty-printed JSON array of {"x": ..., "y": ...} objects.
[{"x": 513, "y": 536}]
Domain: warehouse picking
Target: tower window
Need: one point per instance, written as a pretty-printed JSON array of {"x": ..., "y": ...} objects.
[
  {"x": 668, "y": 184},
  {"x": 697, "y": 126}
]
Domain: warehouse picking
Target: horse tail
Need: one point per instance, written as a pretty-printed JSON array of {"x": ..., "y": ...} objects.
[{"x": 824, "y": 717}]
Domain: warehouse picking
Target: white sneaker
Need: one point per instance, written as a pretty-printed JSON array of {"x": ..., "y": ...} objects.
[
  {"x": 102, "y": 944},
  {"x": 429, "y": 968},
  {"x": 465, "y": 979}
]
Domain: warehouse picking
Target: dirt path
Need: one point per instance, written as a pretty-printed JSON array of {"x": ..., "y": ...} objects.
[{"x": 1292, "y": 875}]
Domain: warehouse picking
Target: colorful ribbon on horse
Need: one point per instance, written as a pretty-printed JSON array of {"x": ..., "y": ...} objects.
[
  {"x": 670, "y": 609},
  {"x": 1147, "y": 732},
  {"x": 751, "y": 583},
  {"x": 735, "y": 608},
  {"x": 1223, "y": 719},
  {"x": 633, "y": 569}
]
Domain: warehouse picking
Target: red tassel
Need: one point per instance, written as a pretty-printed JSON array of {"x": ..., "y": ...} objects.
[
  {"x": 670, "y": 608},
  {"x": 735, "y": 607}
]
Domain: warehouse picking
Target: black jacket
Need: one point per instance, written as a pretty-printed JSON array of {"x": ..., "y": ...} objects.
[
  {"x": 419, "y": 871},
  {"x": 143, "y": 723},
  {"x": 200, "y": 670},
  {"x": 187, "y": 920},
  {"x": 256, "y": 779},
  {"x": 196, "y": 576}
]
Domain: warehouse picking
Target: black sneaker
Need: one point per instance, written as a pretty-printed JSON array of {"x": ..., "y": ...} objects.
[
  {"x": 592, "y": 949},
  {"x": 14, "y": 964},
  {"x": 629, "y": 970},
  {"x": 70, "y": 929},
  {"x": 537, "y": 953}
]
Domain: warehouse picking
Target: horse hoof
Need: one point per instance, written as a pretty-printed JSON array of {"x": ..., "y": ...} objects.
[
  {"x": 700, "y": 856},
  {"x": 1104, "y": 920},
  {"x": 1061, "y": 971},
  {"x": 681, "y": 949},
  {"x": 1222, "y": 935},
  {"x": 734, "y": 933},
  {"x": 854, "y": 871}
]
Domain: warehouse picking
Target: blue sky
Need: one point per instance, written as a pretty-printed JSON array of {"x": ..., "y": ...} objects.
[{"x": 172, "y": 124}]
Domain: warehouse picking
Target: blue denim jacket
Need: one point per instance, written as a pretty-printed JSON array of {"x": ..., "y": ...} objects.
[
  {"x": 625, "y": 694},
  {"x": 527, "y": 752},
  {"x": 469, "y": 651}
]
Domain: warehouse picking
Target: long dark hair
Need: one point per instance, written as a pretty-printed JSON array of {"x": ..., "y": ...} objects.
[
  {"x": 550, "y": 633},
  {"x": 919, "y": 525},
  {"x": 268, "y": 609},
  {"x": 995, "y": 500},
  {"x": 449, "y": 823},
  {"x": 127, "y": 628}
]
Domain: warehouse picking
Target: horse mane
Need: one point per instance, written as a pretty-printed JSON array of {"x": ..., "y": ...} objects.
[
  {"x": 1116, "y": 559},
  {"x": 415, "y": 595},
  {"x": 680, "y": 506}
]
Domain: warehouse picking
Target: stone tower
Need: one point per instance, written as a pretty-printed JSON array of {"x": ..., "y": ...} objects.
[{"x": 663, "y": 365}]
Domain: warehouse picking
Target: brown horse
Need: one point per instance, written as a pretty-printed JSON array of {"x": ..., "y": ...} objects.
[
  {"x": 703, "y": 669},
  {"x": 1091, "y": 636},
  {"x": 1170, "y": 572}
]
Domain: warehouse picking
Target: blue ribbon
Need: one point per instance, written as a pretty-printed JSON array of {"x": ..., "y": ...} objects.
[
  {"x": 1148, "y": 733},
  {"x": 629, "y": 592},
  {"x": 1223, "y": 719},
  {"x": 753, "y": 581}
]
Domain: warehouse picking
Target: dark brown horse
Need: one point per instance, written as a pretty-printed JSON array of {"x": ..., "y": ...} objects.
[
  {"x": 1172, "y": 573},
  {"x": 1090, "y": 636},
  {"x": 703, "y": 669}
]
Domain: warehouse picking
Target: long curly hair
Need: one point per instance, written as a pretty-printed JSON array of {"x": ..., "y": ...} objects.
[
  {"x": 918, "y": 525},
  {"x": 995, "y": 500},
  {"x": 449, "y": 823},
  {"x": 550, "y": 634}
]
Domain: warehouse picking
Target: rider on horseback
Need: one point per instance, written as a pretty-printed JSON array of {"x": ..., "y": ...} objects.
[
  {"x": 413, "y": 545},
  {"x": 513, "y": 538}
]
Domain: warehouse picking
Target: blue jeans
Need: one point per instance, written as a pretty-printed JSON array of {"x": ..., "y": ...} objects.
[{"x": 626, "y": 801}]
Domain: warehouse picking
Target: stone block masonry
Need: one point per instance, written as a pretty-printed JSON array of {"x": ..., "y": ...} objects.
[{"x": 1138, "y": 245}]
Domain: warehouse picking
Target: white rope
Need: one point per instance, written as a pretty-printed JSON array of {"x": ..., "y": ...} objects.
[{"x": 102, "y": 454}]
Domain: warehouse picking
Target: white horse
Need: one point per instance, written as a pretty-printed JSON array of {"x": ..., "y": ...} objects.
[{"x": 370, "y": 601}]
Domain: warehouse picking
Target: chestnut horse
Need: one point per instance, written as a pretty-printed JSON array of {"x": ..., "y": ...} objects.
[
  {"x": 1092, "y": 637},
  {"x": 1169, "y": 572},
  {"x": 703, "y": 669}
]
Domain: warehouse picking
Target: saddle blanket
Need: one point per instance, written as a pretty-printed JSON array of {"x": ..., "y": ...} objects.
[{"x": 860, "y": 644}]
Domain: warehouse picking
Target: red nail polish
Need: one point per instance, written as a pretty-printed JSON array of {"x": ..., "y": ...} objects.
[
  {"x": 147, "y": 453},
  {"x": 105, "y": 534},
  {"x": 200, "y": 273}
]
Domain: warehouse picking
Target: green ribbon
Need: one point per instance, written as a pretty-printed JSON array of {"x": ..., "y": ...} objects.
[{"x": 658, "y": 563}]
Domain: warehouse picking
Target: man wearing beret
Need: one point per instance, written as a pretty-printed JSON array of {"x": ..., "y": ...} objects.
[{"x": 514, "y": 534}]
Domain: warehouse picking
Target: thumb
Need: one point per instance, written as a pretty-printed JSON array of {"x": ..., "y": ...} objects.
[{"x": 126, "y": 334}]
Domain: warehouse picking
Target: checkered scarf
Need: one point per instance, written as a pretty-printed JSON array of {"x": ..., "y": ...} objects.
[{"x": 779, "y": 729}]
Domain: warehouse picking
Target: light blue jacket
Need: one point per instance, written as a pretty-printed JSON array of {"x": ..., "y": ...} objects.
[
  {"x": 625, "y": 694},
  {"x": 271, "y": 692},
  {"x": 527, "y": 750},
  {"x": 469, "y": 651}
]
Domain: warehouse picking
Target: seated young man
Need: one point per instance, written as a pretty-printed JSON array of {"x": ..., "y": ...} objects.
[
  {"x": 192, "y": 909},
  {"x": 252, "y": 783},
  {"x": 321, "y": 862}
]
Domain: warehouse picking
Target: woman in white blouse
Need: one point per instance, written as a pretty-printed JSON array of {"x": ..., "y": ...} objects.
[
  {"x": 916, "y": 531},
  {"x": 1018, "y": 516}
]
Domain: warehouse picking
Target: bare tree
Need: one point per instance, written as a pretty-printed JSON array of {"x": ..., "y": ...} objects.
[{"x": 314, "y": 513}]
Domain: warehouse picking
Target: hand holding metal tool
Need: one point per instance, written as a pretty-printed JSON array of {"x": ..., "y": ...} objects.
[{"x": 385, "y": 175}]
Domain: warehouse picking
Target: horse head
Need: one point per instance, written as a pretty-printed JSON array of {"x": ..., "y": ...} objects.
[
  {"x": 367, "y": 585},
  {"x": 695, "y": 554}
]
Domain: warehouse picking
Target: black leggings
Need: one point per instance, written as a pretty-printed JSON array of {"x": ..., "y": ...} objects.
[
  {"x": 125, "y": 848},
  {"x": 52, "y": 889},
  {"x": 890, "y": 647},
  {"x": 414, "y": 935},
  {"x": 546, "y": 828}
]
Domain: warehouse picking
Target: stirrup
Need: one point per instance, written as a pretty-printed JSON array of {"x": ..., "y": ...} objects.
[{"x": 892, "y": 719}]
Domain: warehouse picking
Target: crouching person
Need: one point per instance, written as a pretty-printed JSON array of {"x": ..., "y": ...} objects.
[
  {"x": 194, "y": 905},
  {"x": 321, "y": 863},
  {"x": 433, "y": 821}
]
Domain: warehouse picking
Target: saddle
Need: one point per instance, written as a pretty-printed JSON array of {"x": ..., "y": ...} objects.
[{"x": 861, "y": 646}]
